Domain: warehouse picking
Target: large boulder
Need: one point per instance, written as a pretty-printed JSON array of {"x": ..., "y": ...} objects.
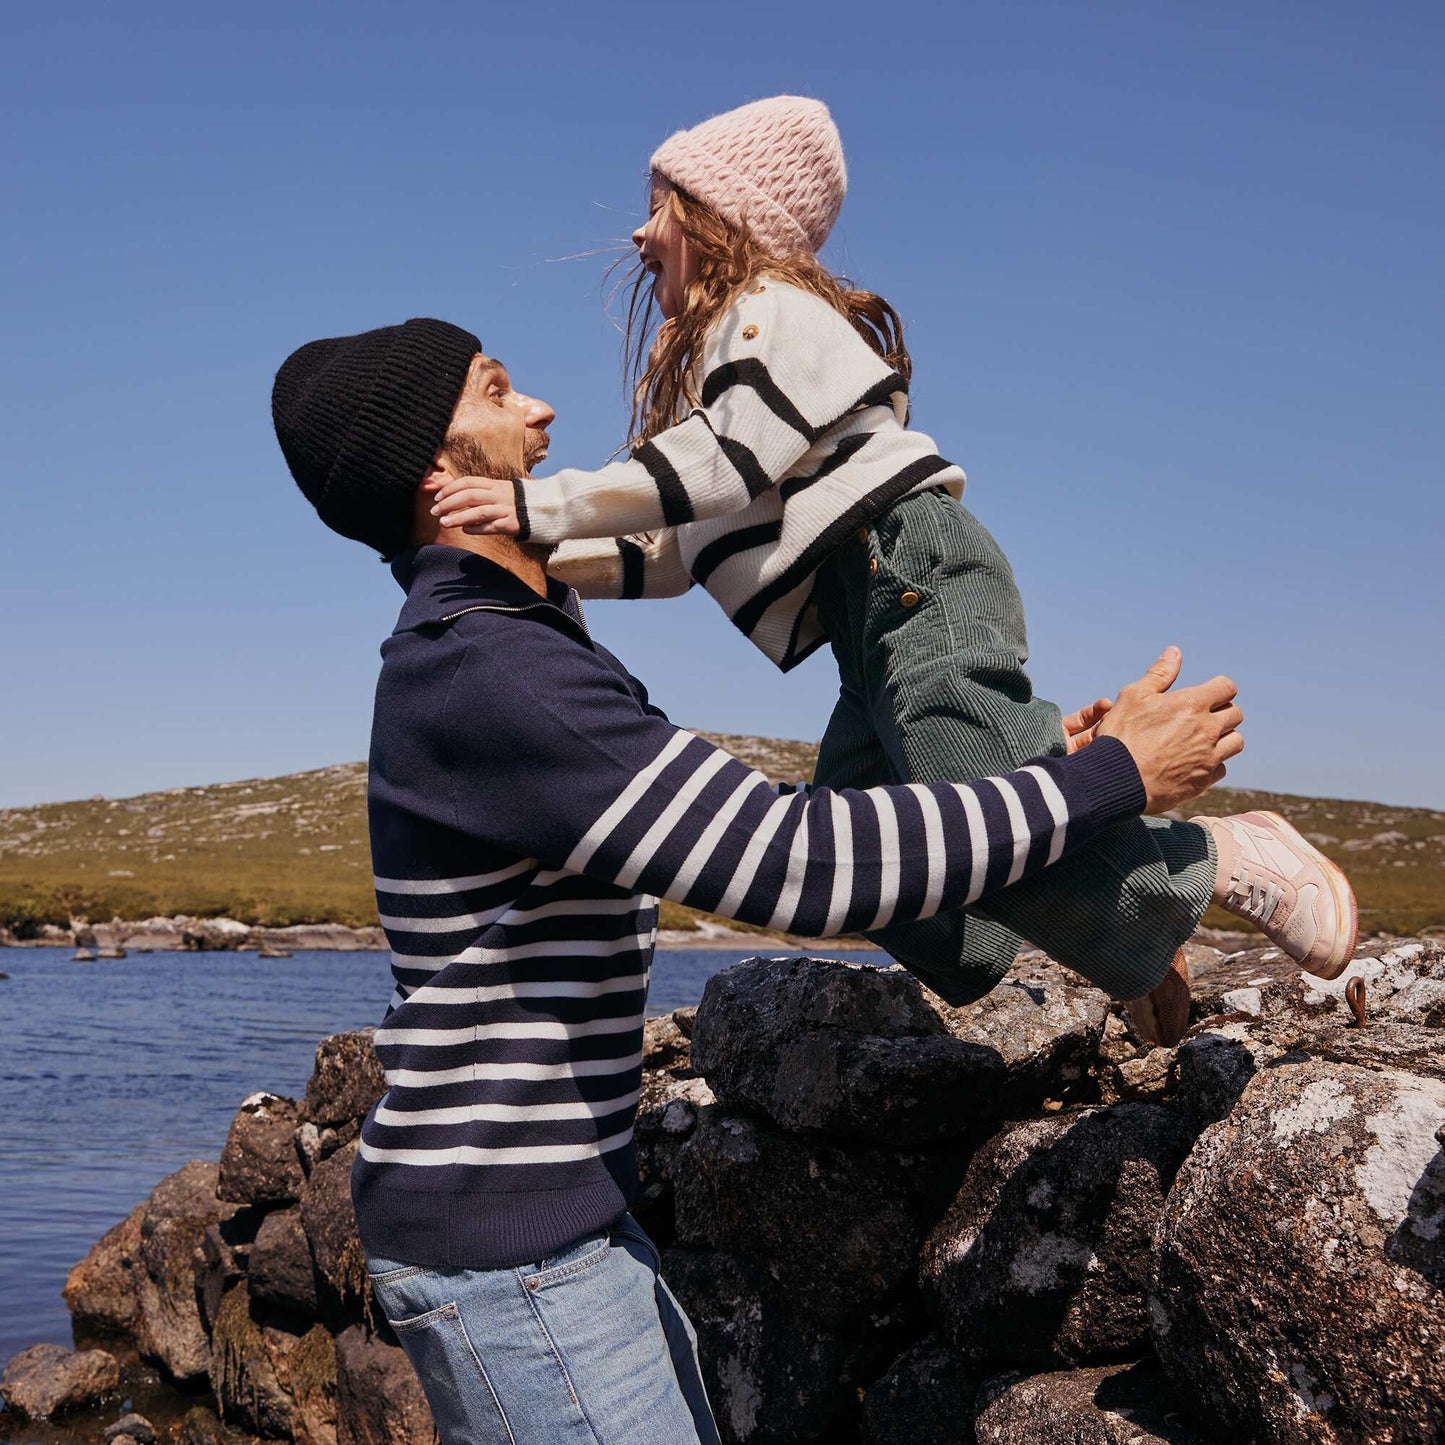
[
  {"x": 103, "y": 1290},
  {"x": 48, "y": 1380},
  {"x": 1300, "y": 1286},
  {"x": 282, "y": 1273},
  {"x": 837, "y": 1230},
  {"x": 1044, "y": 1255},
  {"x": 259, "y": 1164},
  {"x": 1215, "y": 1064},
  {"x": 179, "y": 1211},
  {"x": 771, "y": 1379},
  {"x": 868, "y": 1054},
  {"x": 1404, "y": 981},
  {"x": 347, "y": 1080},
  {"x": 330, "y": 1224},
  {"x": 271, "y": 1381},
  {"x": 926, "y": 1394},
  {"x": 1107, "y": 1405},
  {"x": 379, "y": 1400},
  {"x": 1044, "y": 1022}
]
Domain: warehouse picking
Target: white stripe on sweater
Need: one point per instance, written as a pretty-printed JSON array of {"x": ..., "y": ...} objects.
[
  {"x": 977, "y": 842},
  {"x": 1058, "y": 810},
  {"x": 541, "y": 1029},
  {"x": 450, "y": 994},
  {"x": 671, "y": 816},
  {"x": 1020, "y": 825},
  {"x": 843, "y": 865},
  {"x": 505, "y": 1113},
  {"x": 753, "y": 855},
  {"x": 711, "y": 836},
  {"x": 457, "y": 923},
  {"x": 629, "y": 798},
  {"x": 415, "y": 887},
  {"x": 513, "y": 1154},
  {"x": 934, "y": 841},
  {"x": 790, "y": 898},
  {"x": 543, "y": 948},
  {"x": 469, "y": 1073},
  {"x": 888, "y": 860}
]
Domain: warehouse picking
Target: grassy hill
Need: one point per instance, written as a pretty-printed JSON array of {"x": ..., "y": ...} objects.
[{"x": 294, "y": 850}]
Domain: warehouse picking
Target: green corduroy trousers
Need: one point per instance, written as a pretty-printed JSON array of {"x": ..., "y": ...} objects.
[{"x": 927, "y": 626}]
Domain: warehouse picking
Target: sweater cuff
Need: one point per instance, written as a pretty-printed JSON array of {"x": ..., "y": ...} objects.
[
  {"x": 524, "y": 524},
  {"x": 1108, "y": 783},
  {"x": 542, "y": 511}
]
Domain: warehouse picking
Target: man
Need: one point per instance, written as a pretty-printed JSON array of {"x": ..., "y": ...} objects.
[{"x": 528, "y": 806}]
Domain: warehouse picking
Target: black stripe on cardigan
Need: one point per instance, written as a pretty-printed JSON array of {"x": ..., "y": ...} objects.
[
  {"x": 754, "y": 373},
  {"x": 523, "y": 529},
  {"x": 745, "y": 464},
  {"x": 676, "y": 504},
  {"x": 867, "y": 508},
  {"x": 634, "y": 570},
  {"x": 848, "y": 448},
  {"x": 711, "y": 557}
]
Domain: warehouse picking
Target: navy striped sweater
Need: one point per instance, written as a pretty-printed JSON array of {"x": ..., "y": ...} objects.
[{"x": 528, "y": 806}]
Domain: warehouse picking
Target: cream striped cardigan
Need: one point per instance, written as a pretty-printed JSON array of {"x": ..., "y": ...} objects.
[{"x": 799, "y": 438}]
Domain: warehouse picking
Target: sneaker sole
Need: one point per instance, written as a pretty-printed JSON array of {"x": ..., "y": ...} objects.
[
  {"x": 1167, "y": 1026},
  {"x": 1346, "y": 909}
]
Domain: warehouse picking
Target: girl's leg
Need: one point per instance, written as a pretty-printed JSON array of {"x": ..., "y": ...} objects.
[
  {"x": 941, "y": 650},
  {"x": 959, "y": 955}
]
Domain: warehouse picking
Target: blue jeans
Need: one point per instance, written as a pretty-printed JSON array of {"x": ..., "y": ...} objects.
[{"x": 587, "y": 1346}]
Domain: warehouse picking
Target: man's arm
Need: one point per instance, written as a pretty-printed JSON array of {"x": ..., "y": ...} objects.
[
  {"x": 646, "y": 565},
  {"x": 571, "y": 769}
]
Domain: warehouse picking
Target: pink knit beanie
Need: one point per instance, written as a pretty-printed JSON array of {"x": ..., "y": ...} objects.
[{"x": 775, "y": 165}]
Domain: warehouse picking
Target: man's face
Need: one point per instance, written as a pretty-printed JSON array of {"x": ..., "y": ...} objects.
[{"x": 495, "y": 430}]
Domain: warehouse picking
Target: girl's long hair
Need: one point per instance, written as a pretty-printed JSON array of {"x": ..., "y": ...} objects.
[{"x": 658, "y": 358}]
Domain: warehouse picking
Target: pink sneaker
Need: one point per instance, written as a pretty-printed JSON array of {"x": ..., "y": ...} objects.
[
  {"x": 1301, "y": 901},
  {"x": 1162, "y": 1015}
]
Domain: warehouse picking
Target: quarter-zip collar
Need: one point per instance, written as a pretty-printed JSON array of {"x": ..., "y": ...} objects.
[{"x": 443, "y": 583}]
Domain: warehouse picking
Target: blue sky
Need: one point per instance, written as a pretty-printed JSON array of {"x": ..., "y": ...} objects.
[{"x": 1172, "y": 278}]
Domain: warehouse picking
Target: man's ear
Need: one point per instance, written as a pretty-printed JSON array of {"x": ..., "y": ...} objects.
[{"x": 425, "y": 527}]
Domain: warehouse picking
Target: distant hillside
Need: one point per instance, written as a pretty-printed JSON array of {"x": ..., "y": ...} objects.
[{"x": 294, "y": 850}]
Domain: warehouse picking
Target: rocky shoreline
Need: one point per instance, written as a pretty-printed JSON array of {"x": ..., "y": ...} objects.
[
  {"x": 890, "y": 1220},
  {"x": 183, "y": 934}
]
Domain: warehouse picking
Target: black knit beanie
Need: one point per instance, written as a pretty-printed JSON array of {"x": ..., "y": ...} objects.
[{"x": 360, "y": 418}]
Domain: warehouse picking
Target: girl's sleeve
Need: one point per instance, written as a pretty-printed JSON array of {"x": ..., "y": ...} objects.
[
  {"x": 646, "y": 565},
  {"x": 779, "y": 368}
]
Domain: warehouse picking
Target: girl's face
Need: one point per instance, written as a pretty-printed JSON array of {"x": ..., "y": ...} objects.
[{"x": 665, "y": 252}]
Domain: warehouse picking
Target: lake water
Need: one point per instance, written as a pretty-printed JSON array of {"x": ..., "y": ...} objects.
[{"x": 113, "y": 1074}]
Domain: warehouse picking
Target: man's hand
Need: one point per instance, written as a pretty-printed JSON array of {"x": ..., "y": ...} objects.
[
  {"x": 1179, "y": 740},
  {"x": 1080, "y": 727},
  {"x": 479, "y": 505}
]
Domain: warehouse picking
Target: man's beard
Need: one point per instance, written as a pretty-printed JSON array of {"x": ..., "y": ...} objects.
[{"x": 471, "y": 458}]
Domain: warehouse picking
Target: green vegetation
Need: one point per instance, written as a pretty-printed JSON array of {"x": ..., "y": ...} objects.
[{"x": 294, "y": 850}]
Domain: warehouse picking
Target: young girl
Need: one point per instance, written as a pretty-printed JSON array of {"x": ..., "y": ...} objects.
[{"x": 772, "y": 463}]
